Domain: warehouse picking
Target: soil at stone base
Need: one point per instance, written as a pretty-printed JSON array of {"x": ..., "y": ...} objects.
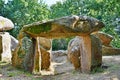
[{"x": 65, "y": 71}]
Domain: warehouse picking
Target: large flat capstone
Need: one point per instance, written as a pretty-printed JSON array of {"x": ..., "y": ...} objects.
[{"x": 63, "y": 27}]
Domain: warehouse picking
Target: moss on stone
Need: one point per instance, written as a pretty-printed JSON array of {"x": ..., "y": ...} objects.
[{"x": 40, "y": 28}]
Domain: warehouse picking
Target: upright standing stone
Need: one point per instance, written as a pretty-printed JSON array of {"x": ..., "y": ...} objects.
[
  {"x": 14, "y": 43},
  {"x": 96, "y": 48},
  {"x": 5, "y": 39},
  {"x": 1, "y": 48},
  {"x": 37, "y": 58},
  {"x": 20, "y": 53},
  {"x": 42, "y": 57},
  {"x": 45, "y": 48},
  {"x": 85, "y": 52},
  {"x": 5, "y": 44},
  {"x": 73, "y": 52}
]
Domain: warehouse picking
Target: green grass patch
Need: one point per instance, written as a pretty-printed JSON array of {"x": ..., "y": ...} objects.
[
  {"x": 97, "y": 70},
  {"x": 11, "y": 74},
  {"x": 36, "y": 79}
]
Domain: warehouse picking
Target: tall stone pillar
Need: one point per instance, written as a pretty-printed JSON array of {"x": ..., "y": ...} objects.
[
  {"x": 5, "y": 47},
  {"x": 91, "y": 53},
  {"x": 85, "y": 52},
  {"x": 1, "y": 48},
  {"x": 42, "y": 55}
]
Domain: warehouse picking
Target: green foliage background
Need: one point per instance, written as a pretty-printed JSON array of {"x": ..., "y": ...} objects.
[{"x": 23, "y": 12}]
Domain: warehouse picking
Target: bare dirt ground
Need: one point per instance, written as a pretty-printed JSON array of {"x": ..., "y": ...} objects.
[{"x": 65, "y": 71}]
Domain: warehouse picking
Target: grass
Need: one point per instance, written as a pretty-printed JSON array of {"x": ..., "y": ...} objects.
[
  {"x": 11, "y": 74},
  {"x": 11, "y": 71},
  {"x": 114, "y": 67},
  {"x": 36, "y": 79},
  {"x": 2, "y": 63},
  {"x": 75, "y": 72},
  {"x": 97, "y": 70}
]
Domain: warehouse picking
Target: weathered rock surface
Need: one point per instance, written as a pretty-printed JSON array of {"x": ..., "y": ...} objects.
[
  {"x": 22, "y": 55},
  {"x": 36, "y": 59},
  {"x": 45, "y": 48},
  {"x": 5, "y": 24},
  {"x": 104, "y": 38},
  {"x": 74, "y": 52},
  {"x": 45, "y": 43},
  {"x": 59, "y": 53},
  {"x": 5, "y": 44},
  {"x": 1, "y": 48},
  {"x": 106, "y": 50},
  {"x": 63, "y": 27},
  {"x": 81, "y": 47},
  {"x": 14, "y": 43},
  {"x": 96, "y": 52},
  {"x": 58, "y": 56}
]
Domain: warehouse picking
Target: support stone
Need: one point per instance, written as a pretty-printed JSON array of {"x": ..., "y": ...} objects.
[
  {"x": 5, "y": 47},
  {"x": 22, "y": 58},
  {"x": 1, "y": 48},
  {"x": 42, "y": 55},
  {"x": 91, "y": 53},
  {"x": 73, "y": 52},
  {"x": 14, "y": 43},
  {"x": 85, "y": 52},
  {"x": 38, "y": 57},
  {"x": 96, "y": 52}
]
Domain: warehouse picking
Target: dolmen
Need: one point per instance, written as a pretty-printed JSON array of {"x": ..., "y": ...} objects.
[
  {"x": 7, "y": 42},
  {"x": 37, "y": 59}
]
